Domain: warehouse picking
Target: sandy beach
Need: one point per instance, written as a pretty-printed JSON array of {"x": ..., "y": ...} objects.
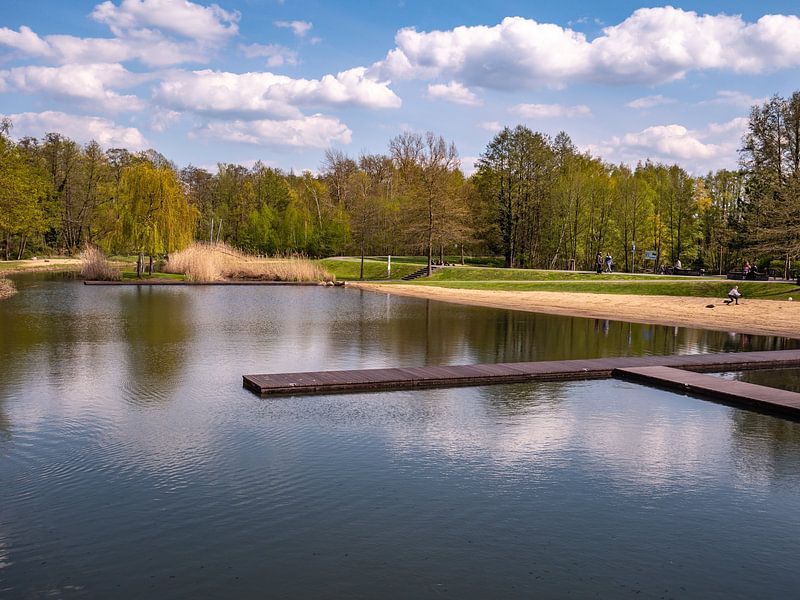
[{"x": 769, "y": 317}]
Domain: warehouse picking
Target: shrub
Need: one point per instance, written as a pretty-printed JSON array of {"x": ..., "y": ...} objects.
[
  {"x": 217, "y": 262},
  {"x": 7, "y": 289},
  {"x": 95, "y": 266}
]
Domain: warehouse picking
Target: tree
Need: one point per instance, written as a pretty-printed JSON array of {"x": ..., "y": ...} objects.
[
  {"x": 425, "y": 168},
  {"x": 156, "y": 217},
  {"x": 24, "y": 195}
]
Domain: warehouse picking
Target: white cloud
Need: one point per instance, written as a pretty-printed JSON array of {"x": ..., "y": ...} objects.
[
  {"x": 550, "y": 111},
  {"x": 81, "y": 128},
  {"x": 268, "y": 94},
  {"x": 203, "y": 23},
  {"x": 734, "y": 98},
  {"x": 712, "y": 147},
  {"x": 468, "y": 164},
  {"x": 315, "y": 131},
  {"x": 492, "y": 126},
  {"x": 161, "y": 120},
  {"x": 649, "y": 102},
  {"x": 653, "y": 45},
  {"x": 25, "y": 40},
  {"x": 453, "y": 92},
  {"x": 275, "y": 54},
  {"x": 148, "y": 46},
  {"x": 85, "y": 83},
  {"x": 299, "y": 28}
]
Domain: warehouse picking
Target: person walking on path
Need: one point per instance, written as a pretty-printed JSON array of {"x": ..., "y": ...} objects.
[
  {"x": 609, "y": 263},
  {"x": 734, "y": 295},
  {"x": 598, "y": 263}
]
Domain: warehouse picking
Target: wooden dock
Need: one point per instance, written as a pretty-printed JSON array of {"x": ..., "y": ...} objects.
[
  {"x": 365, "y": 380},
  {"x": 741, "y": 393}
]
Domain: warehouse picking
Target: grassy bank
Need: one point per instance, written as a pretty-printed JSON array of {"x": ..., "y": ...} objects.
[
  {"x": 347, "y": 268},
  {"x": 701, "y": 288},
  {"x": 492, "y": 274},
  {"x": 11, "y": 267}
]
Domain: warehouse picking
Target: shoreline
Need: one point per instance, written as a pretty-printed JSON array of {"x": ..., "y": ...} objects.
[
  {"x": 41, "y": 266},
  {"x": 756, "y": 317}
]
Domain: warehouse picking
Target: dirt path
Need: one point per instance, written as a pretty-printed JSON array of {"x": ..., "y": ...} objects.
[{"x": 770, "y": 317}]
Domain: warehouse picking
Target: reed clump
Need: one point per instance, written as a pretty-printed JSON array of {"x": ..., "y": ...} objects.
[
  {"x": 7, "y": 289},
  {"x": 95, "y": 265},
  {"x": 202, "y": 262}
]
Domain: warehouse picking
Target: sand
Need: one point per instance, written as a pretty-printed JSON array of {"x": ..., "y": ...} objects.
[{"x": 770, "y": 317}]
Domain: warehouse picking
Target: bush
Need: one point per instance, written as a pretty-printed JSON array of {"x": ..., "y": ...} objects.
[
  {"x": 95, "y": 266},
  {"x": 7, "y": 289},
  {"x": 217, "y": 262}
]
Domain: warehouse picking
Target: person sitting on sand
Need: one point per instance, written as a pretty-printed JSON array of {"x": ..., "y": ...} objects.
[{"x": 734, "y": 295}]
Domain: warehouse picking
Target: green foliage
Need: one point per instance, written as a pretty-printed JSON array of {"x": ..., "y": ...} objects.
[{"x": 154, "y": 215}]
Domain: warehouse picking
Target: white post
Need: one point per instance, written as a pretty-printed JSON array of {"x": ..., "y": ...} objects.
[
  {"x": 389, "y": 266},
  {"x": 633, "y": 257}
]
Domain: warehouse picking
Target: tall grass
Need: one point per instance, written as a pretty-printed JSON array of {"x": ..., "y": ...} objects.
[
  {"x": 218, "y": 262},
  {"x": 95, "y": 266},
  {"x": 7, "y": 289}
]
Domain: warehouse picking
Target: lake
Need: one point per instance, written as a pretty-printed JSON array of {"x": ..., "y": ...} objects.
[{"x": 133, "y": 463}]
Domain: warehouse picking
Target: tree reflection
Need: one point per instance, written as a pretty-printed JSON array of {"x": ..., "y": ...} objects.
[{"x": 156, "y": 330}]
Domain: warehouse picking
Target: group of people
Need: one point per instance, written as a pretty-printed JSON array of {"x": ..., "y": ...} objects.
[{"x": 599, "y": 262}]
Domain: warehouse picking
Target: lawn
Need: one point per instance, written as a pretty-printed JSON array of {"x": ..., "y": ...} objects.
[
  {"x": 347, "y": 268},
  {"x": 702, "y": 288}
]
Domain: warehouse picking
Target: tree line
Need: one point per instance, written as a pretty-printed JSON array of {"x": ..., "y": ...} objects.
[{"x": 534, "y": 199}]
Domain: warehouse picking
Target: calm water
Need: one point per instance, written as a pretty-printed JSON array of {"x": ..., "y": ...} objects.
[
  {"x": 133, "y": 464},
  {"x": 785, "y": 379}
]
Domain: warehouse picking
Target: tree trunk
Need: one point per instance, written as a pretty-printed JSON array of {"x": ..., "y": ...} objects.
[
  {"x": 362, "y": 259},
  {"x": 430, "y": 238},
  {"x": 441, "y": 254},
  {"x": 150, "y": 267},
  {"x": 462, "y": 255},
  {"x": 139, "y": 261}
]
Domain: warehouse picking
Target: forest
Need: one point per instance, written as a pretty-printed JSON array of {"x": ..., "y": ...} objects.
[{"x": 533, "y": 199}]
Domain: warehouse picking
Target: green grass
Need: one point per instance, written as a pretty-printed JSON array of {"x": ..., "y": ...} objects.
[
  {"x": 698, "y": 288},
  {"x": 349, "y": 268},
  {"x": 491, "y": 274},
  {"x": 175, "y": 276},
  {"x": 477, "y": 261}
]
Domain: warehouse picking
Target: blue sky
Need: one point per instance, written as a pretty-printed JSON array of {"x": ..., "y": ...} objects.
[{"x": 246, "y": 80}]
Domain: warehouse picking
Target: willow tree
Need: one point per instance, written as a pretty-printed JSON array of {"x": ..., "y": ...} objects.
[{"x": 155, "y": 216}]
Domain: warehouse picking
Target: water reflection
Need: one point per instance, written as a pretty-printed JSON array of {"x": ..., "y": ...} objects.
[
  {"x": 157, "y": 329},
  {"x": 134, "y": 465}
]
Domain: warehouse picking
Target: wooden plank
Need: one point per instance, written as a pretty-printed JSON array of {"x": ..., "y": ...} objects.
[
  {"x": 740, "y": 393},
  {"x": 483, "y": 374}
]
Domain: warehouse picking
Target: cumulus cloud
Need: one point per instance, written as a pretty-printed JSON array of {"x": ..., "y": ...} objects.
[
  {"x": 550, "y": 111},
  {"x": 653, "y": 45},
  {"x": 649, "y": 102},
  {"x": 453, "y": 92},
  {"x": 275, "y": 54},
  {"x": 314, "y": 131},
  {"x": 84, "y": 83},
  {"x": 270, "y": 95},
  {"x": 299, "y": 28},
  {"x": 148, "y": 46},
  {"x": 698, "y": 150},
  {"x": 78, "y": 127},
  {"x": 190, "y": 20},
  {"x": 492, "y": 126}
]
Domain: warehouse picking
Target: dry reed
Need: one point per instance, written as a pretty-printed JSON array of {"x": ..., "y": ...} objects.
[
  {"x": 95, "y": 266},
  {"x": 218, "y": 262},
  {"x": 7, "y": 289}
]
